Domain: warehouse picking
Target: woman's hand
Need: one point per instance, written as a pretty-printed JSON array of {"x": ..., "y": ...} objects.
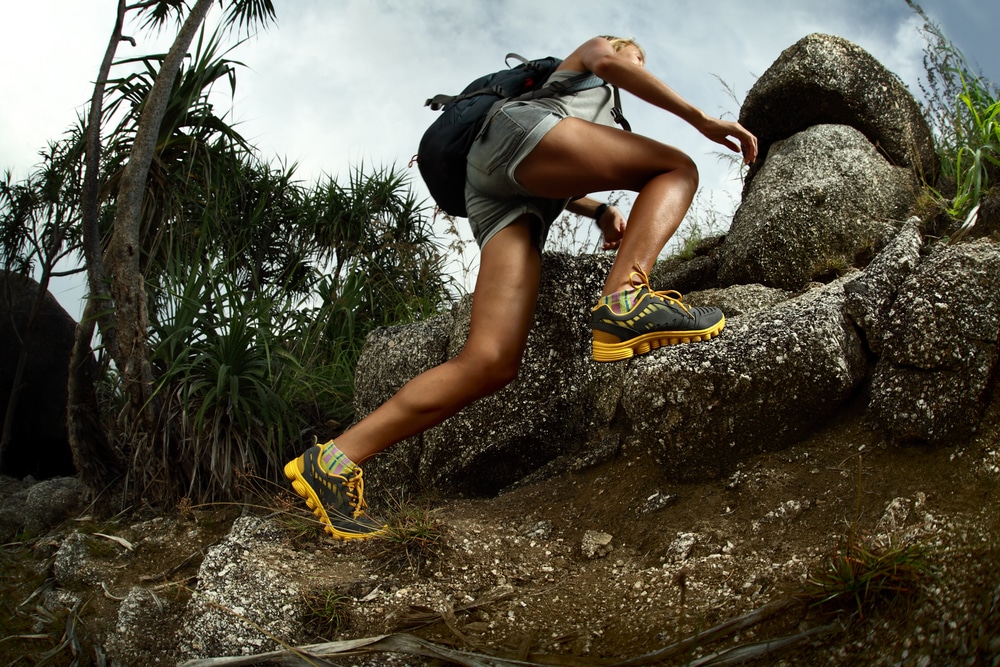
[
  {"x": 611, "y": 221},
  {"x": 721, "y": 131},
  {"x": 612, "y": 224}
]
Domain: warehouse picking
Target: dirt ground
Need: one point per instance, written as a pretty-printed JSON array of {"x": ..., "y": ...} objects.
[{"x": 604, "y": 565}]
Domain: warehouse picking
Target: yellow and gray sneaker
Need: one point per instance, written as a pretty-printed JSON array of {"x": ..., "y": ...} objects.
[
  {"x": 653, "y": 319},
  {"x": 337, "y": 501}
]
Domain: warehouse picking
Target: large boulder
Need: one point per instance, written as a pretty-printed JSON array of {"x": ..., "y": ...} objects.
[
  {"x": 823, "y": 79},
  {"x": 39, "y": 444},
  {"x": 774, "y": 373},
  {"x": 940, "y": 351},
  {"x": 870, "y": 295},
  {"x": 825, "y": 200},
  {"x": 771, "y": 377},
  {"x": 37, "y": 507},
  {"x": 248, "y": 600}
]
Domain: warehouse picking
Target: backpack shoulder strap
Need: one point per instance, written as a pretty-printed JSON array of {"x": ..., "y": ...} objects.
[
  {"x": 616, "y": 112},
  {"x": 438, "y": 102},
  {"x": 581, "y": 81}
]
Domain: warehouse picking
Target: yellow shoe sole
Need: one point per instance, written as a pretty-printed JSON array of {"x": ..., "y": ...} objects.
[
  {"x": 293, "y": 471},
  {"x": 608, "y": 350}
]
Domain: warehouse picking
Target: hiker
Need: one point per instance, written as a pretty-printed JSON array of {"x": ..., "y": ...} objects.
[{"x": 531, "y": 162}]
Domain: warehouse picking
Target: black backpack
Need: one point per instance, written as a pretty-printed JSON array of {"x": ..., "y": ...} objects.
[{"x": 443, "y": 149}]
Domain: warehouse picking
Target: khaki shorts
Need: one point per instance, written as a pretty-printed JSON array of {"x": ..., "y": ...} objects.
[{"x": 493, "y": 198}]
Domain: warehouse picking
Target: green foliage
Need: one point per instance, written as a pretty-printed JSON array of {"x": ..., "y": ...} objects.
[
  {"x": 195, "y": 149},
  {"x": 329, "y": 613},
  {"x": 219, "y": 378},
  {"x": 39, "y": 216},
  {"x": 255, "y": 348},
  {"x": 976, "y": 165},
  {"x": 240, "y": 14},
  {"x": 261, "y": 289},
  {"x": 862, "y": 574},
  {"x": 963, "y": 109}
]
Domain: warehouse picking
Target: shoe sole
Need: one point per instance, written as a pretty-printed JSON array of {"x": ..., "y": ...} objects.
[
  {"x": 293, "y": 471},
  {"x": 646, "y": 343}
]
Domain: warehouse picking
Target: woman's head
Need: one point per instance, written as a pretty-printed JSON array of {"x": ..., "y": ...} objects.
[{"x": 619, "y": 43}]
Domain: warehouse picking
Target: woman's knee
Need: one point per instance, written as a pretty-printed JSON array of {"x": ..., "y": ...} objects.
[
  {"x": 687, "y": 170},
  {"x": 492, "y": 372},
  {"x": 681, "y": 177},
  {"x": 500, "y": 372},
  {"x": 673, "y": 164}
]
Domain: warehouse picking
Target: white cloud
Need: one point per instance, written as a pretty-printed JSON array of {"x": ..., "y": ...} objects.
[{"x": 337, "y": 83}]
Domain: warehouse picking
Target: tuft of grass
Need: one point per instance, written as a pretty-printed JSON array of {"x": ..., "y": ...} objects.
[
  {"x": 829, "y": 269},
  {"x": 862, "y": 574},
  {"x": 302, "y": 524},
  {"x": 413, "y": 538},
  {"x": 328, "y": 612}
]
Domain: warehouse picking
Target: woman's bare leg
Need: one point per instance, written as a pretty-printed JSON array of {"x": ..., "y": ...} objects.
[
  {"x": 574, "y": 157},
  {"x": 503, "y": 308},
  {"x": 578, "y": 157}
]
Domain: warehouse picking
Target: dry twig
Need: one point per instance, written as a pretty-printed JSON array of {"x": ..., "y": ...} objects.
[{"x": 409, "y": 644}]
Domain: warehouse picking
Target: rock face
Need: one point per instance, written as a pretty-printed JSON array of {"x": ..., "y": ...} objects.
[
  {"x": 870, "y": 296},
  {"x": 939, "y": 362},
  {"x": 824, "y": 200},
  {"x": 822, "y": 79},
  {"x": 39, "y": 443},
  {"x": 829, "y": 291},
  {"x": 771, "y": 376},
  {"x": 243, "y": 590},
  {"x": 699, "y": 409}
]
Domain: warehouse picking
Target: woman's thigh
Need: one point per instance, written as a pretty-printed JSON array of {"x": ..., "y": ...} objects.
[
  {"x": 503, "y": 305},
  {"x": 577, "y": 157}
]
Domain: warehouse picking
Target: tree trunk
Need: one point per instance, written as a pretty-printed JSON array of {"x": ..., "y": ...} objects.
[
  {"x": 94, "y": 457},
  {"x": 96, "y": 277},
  {"x": 92, "y": 454},
  {"x": 127, "y": 288}
]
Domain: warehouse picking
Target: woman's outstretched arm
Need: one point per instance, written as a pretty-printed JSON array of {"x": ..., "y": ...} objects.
[{"x": 625, "y": 69}]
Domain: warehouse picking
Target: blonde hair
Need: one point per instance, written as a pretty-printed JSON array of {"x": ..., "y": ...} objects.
[{"x": 619, "y": 43}]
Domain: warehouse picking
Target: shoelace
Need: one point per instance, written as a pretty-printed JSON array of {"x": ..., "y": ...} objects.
[
  {"x": 356, "y": 493},
  {"x": 673, "y": 296}
]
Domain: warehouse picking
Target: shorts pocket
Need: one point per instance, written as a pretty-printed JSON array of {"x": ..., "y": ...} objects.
[{"x": 498, "y": 142}]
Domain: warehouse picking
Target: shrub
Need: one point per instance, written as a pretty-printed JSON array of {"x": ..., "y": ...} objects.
[{"x": 963, "y": 110}]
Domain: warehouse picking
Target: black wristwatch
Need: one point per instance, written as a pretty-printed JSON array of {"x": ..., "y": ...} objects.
[{"x": 599, "y": 213}]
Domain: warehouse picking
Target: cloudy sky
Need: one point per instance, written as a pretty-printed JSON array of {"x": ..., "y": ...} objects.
[{"x": 340, "y": 82}]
